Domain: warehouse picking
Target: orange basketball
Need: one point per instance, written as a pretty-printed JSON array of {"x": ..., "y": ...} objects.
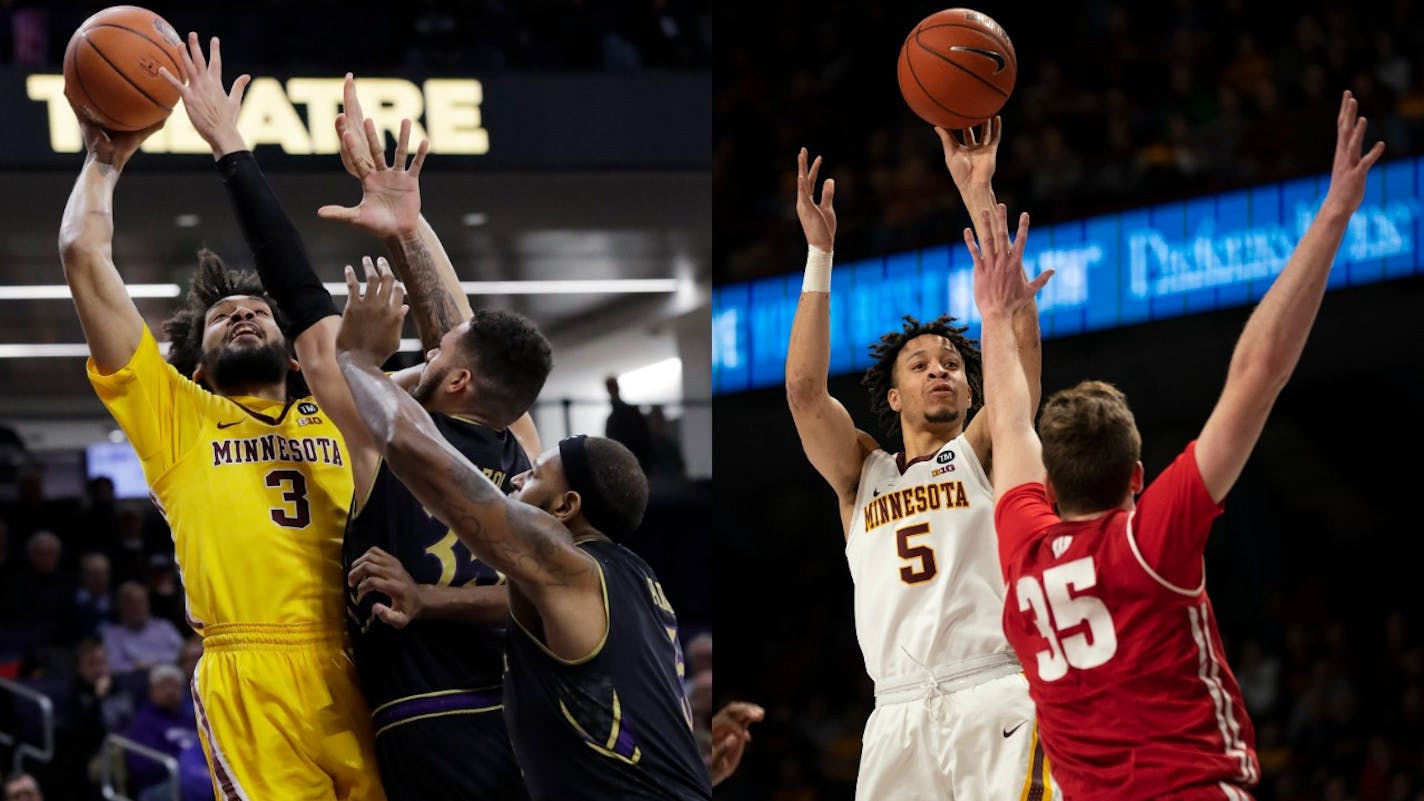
[
  {"x": 111, "y": 68},
  {"x": 957, "y": 68}
]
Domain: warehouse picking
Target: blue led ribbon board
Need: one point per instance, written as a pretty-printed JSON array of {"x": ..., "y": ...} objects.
[{"x": 1137, "y": 266}]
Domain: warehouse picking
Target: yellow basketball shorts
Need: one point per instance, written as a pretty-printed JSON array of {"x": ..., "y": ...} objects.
[{"x": 281, "y": 715}]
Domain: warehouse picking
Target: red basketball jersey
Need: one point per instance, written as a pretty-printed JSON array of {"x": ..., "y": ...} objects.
[{"x": 1117, "y": 637}]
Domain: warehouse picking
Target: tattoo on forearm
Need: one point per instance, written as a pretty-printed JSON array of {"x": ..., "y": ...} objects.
[{"x": 434, "y": 307}]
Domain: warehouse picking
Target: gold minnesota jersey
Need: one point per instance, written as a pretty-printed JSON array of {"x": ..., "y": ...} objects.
[{"x": 255, "y": 491}]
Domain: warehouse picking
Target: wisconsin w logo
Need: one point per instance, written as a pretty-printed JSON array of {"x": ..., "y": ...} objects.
[{"x": 1060, "y": 544}]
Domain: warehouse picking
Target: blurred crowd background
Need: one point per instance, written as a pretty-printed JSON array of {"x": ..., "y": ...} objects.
[
  {"x": 1118, "y": 105},
  {"x": 423, "y": 35},
  {"x": 91, "y": 602}
]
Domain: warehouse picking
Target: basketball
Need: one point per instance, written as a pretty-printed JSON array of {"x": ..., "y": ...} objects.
[
  {"x": 111, "y": 68},
  {"x": 957, "y": 68}
]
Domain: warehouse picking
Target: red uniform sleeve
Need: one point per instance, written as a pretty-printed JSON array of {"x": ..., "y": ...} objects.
[
  {"x": 1021, "y": 515},
  {"x": 1173, "y": 520}
]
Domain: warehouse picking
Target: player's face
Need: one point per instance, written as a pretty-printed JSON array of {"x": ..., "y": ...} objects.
[
  {"x": 439, "y": 362},
  {"x": 543, "y": 485},
  {"x": 930, "y": 386},
  {"x": 242, "y": 344}
]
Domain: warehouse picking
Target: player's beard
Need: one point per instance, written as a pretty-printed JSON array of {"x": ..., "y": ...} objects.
[
  {"x": 429, "y": 383},
  {"x": 942, "y": 416},
  {"x": 231, "y": 368}
]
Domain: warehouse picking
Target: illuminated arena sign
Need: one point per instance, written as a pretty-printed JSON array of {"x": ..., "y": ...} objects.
[{"x": 1196, "y": 256}]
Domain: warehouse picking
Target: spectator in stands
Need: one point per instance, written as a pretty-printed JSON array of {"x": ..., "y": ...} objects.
[
  {"x": 129, "y": 551},
  {"x": 94, "y": 600},
  {"x": 165, "y": 592},
  {"x": 627, "y": 425},
  {"x": 96, "y": 707},
  {"x": 44, "y": 592},
  {"x": 139, "y": 641},
  {"x": 22, "y": 787},
  {"x": 164, "y": 723},
  {"x": 97, "y": 524},
  {"x": 666, "y": 455},
  {"x": 699, "y": 656}
]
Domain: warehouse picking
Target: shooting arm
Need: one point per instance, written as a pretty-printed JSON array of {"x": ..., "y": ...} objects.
[{"x": 111, "y": 322}]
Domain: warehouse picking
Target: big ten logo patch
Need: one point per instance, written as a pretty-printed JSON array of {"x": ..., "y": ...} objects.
[
  {"x": 308, "y": 409},
  {"x": 946, "y": 464}
]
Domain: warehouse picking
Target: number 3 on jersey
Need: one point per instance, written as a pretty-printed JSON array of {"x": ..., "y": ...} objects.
[{"x": 1079, "y": 650}]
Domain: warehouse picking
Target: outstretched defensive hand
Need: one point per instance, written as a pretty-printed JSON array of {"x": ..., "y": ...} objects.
[
  {"x": 390, "y": 199},
  {"x": 1000, "y": 285},
  {"x": 371, "y": 324},
  {"x": 730, "y": 735},
  {"x": 973, "y": 160},
  {"x": 818, "y": 220},
  {"x": 1347, "y": 175},
  {"x": 212, "y": 109}
]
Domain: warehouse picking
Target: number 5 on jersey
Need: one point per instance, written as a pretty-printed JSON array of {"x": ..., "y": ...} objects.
[
  {"x": 1082, "y": 650},
  {"x": 923, "y": 555}
]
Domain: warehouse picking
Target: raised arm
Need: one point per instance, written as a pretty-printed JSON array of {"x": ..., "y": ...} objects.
[
  {"x": 1271, "y": 343},
  {"x": 390, "y": 211},
  {"x": 828, "y": 436},
  {"x": 525, "y": 543},
  {"x": 971, "y": 164},
  {"x": 1000, "y": 291},
  {"x": 277, "y": 249},
  {"x": 111, "y": 322}
]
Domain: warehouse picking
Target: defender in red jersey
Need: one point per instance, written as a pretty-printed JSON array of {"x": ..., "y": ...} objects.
[{"x": 1106, "y": 598}]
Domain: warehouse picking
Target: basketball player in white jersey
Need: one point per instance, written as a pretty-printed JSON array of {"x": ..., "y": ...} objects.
[{"x": 952, "y": 719}]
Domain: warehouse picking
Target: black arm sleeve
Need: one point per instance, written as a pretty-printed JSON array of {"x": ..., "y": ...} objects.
[{"x": 281, "y": 257}]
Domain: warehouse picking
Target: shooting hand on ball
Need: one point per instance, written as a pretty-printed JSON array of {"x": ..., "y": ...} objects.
[
  {"x": 212, "y": 109},
  {"x": 112, "y": 148},
  {"x": 972, "y": 162}
]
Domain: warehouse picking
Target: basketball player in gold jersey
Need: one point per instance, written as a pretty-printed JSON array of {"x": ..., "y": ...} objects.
[{"x": 255, "y": 480}]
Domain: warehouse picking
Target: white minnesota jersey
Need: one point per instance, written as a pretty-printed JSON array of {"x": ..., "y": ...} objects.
[{"x": 922, "y": 553}]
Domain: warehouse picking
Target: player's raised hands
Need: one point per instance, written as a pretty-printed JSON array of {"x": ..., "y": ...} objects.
[
  {"x": 390, "y": 199},
  {"x": 1347, "y": 175},
  {"x": 1000, "y": 285},
  {"x": 211, "y": 108},
  {"x": 818, "y": 220},
  {"x": 371, "y": 324},
  {"x": 973, "y": 160}
]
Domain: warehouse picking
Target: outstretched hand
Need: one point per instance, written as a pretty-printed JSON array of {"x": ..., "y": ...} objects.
[
  {"x": 371, "y": 324},
  {"x": 818, "y": 220},
  {"x": 973, "y": 160},
  {"x": 390, "y": 199},
  {"x": 1347, "y": 175},
  {"x": 1000, "y": 285},
  {"x": 211, "y": 108},
  {"x": 730, "y": 735}
]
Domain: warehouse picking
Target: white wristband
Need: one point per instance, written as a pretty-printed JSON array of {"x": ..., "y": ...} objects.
[{"x": 818, "y": 270}]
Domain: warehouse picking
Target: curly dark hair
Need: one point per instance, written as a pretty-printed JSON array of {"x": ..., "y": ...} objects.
[
  {"x": 510, "y": 358},
  {"x": 212, "y": 282},
  {"x": 880, "y": 377}
]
